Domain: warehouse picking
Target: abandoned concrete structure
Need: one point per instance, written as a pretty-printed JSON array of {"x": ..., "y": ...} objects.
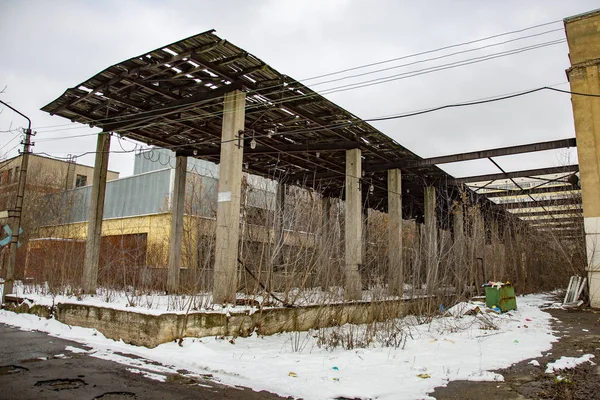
[
  {"x": 205, "y": 98},
  {"x": 583, "y": 36}
]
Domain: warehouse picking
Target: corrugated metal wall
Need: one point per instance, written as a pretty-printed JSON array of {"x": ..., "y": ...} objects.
[{"x": 148, "y": 191}]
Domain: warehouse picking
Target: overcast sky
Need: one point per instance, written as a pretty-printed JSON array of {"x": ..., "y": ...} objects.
[{"x": 49, "y": 46}]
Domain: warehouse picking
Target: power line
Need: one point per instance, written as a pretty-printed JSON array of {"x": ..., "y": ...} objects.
[
  {"x": 434, "y": 50},
  {"x": 385, "y": 118},
  {"x": 386, "y": 61},
  {"x": 353, "y": 86}
]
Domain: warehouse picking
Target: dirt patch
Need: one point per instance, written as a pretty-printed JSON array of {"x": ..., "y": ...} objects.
[{"x": 579, "y": 332}]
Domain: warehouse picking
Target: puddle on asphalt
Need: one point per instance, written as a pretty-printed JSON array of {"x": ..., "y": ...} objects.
[
  {"x": 115, "y": 396},
  {"x": 61, "y": 384},
  {"x": 11, "y": 369}
]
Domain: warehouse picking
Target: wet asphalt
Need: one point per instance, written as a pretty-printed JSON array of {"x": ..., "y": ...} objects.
[{"x": 34, "y": 365}]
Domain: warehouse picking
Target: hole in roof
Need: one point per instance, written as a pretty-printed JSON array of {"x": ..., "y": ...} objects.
[
  {"x": 84, "y": 88},
  {"x": 170, "y": 51},
  {"x": 189, "y": 76},
  {"x": 210, "y": 73},
  {"x": 193, "y": 63},
  {"x": 250, "y": 79},
  {"x": 176, "y": 70},
  {"x": 286, "y": 111},
  {"x": 198, "y": 80}
]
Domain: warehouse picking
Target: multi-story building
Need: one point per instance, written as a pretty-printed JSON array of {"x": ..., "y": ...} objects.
[{"x": 44, "y": 176}]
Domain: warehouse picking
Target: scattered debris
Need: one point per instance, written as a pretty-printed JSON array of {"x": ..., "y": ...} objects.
[{"x": 574, "y": 290}]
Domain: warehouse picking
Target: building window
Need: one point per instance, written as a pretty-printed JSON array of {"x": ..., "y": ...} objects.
[{"x": 80, "y": 180}]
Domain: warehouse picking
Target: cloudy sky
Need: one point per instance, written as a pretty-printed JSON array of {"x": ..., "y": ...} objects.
[{"x": 47, "y": 47}]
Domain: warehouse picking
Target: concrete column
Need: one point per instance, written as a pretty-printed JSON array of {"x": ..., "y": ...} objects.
[
  {"x": 228, "y": 199},
  {"x": 583, "y": 38},
  {"x": 353, "y": 224},
  {"x": 94, "y": 233},
  {"x": 458, "y": 231},
  {"x": 458, "y": 223},
  {"x": 279, "y": 225},
  {"x": 395, "y": 262},
  {"x": 177, "y": 209},
  {"x": 327, "y": 241},
  {"x": 431, "y": 256},
  {"x": 478, "y": 243},
  {"x": 365, "y": 228}
]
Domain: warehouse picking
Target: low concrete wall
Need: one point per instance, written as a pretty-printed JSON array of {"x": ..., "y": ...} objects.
[{"x": 152, "y": 330}]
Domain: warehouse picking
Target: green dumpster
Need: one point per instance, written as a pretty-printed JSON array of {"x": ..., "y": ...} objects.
[{"x": 502, "y": 297}]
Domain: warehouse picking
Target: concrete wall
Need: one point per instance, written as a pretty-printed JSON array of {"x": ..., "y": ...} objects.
[{"x": 152, "y": 330}]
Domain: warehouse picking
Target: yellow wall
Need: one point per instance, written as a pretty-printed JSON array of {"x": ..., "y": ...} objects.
[{"x": 158, "y": 230}]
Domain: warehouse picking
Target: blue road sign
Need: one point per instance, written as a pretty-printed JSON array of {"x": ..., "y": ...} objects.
[{"x": 6, "y": 240}]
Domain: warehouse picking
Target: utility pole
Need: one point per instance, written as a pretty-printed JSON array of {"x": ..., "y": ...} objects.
[{"x": 15, "y": 213}]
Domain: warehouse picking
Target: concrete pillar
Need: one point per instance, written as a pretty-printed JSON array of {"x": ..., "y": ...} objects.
[
  {"x": 458, "y": 231},
  {"x": 325, "y": 250},
  {"x": 458, "y": 223},
  {"x": 478, "y": 243},
  {"x": 365, "y": 228},
  {"x": 431, "y": 256},
  {"x": 177, "y": 208},
  {"x": 395, "y": 262},
  {"x": 583, "y": 38},
  {"x": 228, "y": 198},
  {"x": 279, "y": 225},
  {"x": 353, "y": 224},
  {"x": 94, "y": 233}
]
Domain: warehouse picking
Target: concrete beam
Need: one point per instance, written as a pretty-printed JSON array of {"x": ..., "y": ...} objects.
[
  {"x": 94, "y": 233},
  {"x": 395, "y": 264},
  {"x": 475, "y": 155},
  {"x": 281, "y": 148},
  {"x": 548, "y": 214},
  {"x": 516, "y": 174},
  {"x": 177, "y": 209},
  {"x": 353, "y": 225},
  {"x": 541, "y": 190},
  {"x": 541, "y": 203},
  {"x": 229, "y": 197}
]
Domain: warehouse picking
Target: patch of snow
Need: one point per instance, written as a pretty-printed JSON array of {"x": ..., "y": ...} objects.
[
  {"x": 75, "y": 349},
  {"x": 567, "y": 363},
  {"x": 485, "y": 376},
  {"x": 535, "y": 363},
  {"x": 149, "y": 375},
  {"x": 434, "y": 354}
]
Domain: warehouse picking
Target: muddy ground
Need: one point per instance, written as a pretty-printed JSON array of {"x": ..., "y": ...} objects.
[{"x": 579, "y": 332}]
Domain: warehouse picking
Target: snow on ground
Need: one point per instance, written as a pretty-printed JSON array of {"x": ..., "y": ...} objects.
[
  {"x": 156, "y": 303},
  {"x": 568, "y": 363},
  {"x": 292, "y": 364}
]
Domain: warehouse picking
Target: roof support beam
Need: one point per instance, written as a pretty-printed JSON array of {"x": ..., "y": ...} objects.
[
  {"x": 173, "y": 107},
  {"x": 475, "y": 155},
  {"x": 286, "y": 148},
  {"x": 516, "y": 174},
  {"x": 544, "y": 214},
  {"x": 541, "y": 203},
  {"x": 537, "y": 190}
]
